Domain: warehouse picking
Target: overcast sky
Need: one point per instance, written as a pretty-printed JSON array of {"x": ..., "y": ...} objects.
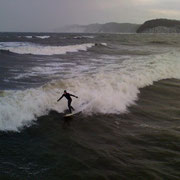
[{"x": 47, "y": 15}]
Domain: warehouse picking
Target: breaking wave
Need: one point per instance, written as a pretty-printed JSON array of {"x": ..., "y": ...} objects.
[
  {"x": 43, "y": 37},
  {"x": 112, "y": 90},
  {"x": 81, "y": 37},
  {"x": 31, "y": 48}
]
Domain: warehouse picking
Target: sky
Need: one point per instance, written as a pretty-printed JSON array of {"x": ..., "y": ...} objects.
[{"x": 48, "y": 15}]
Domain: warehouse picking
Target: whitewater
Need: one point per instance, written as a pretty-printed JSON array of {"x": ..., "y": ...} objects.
[{"x": 30, "y": 48}]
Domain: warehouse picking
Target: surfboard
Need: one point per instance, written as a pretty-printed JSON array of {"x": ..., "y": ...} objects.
[
  {"x": 71, "y": 114},
  {"x": 68, "y": 115}
]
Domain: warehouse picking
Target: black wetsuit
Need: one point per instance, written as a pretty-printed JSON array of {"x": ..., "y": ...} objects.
[{"x": 68, "y": 97}]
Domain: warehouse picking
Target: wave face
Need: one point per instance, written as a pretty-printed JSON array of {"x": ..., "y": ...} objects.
[
  {"x": 35, "y": 49},
  {"x": 112, "y": 89}
]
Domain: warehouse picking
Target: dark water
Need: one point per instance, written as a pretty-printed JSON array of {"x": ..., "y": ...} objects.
[{"x": 133, "y": 134}]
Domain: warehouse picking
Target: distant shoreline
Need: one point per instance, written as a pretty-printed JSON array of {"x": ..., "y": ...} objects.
[{"x": 151, "y": 26}]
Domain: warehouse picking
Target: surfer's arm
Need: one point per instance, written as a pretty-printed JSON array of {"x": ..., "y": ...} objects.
[
  {"x": 60, "y": 98},
  {"x": 73, "y": 95}
]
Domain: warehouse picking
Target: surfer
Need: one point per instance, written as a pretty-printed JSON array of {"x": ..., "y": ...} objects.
[{"x": 68, "y": 97}]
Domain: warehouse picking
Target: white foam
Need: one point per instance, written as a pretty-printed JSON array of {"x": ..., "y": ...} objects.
[
  {"x": 80, "y": 37},
  {"x": 20, "y": 76},
  {"x": 30, "y": 48},
  {"x": 112, "y": 90},
  {"x": 29, "y": 37},
  {"x": 43, "y": 37},
  {"x": 103, "y": 44},
  {"x": 21, "y": 107},
  {"x": 47, "y": 69}
]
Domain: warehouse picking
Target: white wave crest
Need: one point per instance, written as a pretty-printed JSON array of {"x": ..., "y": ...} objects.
[
  {"x": 43, "y": 37},
  {"x": 81, "y": 37},
  {"x": 29, "y": 37},
  {"x": 105, "y": 92},
  {"x": 30, "y": 48}
]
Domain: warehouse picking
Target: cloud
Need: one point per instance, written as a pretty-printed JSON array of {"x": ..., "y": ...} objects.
[
  {"x": 166, "y": 13},
  {"x": 43, "y": 15}
]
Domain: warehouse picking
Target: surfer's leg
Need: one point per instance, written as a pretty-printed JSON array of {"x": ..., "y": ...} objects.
[
  {"x": 72, "y": 108},
  {"x": 69, "y": 105}
]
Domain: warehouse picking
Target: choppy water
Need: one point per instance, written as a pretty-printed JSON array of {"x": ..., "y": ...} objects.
[{"x": 128, "y": 122}]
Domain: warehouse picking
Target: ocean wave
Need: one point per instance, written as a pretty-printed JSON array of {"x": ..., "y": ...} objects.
[
  {"x": 4, "y": 45},
  {"x": 29, "y": 37},
  {"x": 84, "y": 37},
  {"x": 43, "y": 37},
  {"x": 108, "y": 91},
  {"x": 103, "y": 44},
  {"x": 31, "y": 48},
  {"x": 5, "y": 52}
]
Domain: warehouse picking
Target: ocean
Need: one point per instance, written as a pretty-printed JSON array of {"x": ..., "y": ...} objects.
[{"x": 127, "y": 124}]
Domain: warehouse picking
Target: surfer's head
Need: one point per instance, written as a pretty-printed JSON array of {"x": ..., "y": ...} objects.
[{"x": 65, "y": 91}]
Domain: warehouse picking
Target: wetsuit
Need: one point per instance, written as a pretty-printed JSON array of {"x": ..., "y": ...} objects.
[{"x": 68, "y": 97}]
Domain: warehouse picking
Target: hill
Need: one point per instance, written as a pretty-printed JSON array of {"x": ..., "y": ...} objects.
[
  {"x": 160, "y": 26},
  {"x": 101, "y": 28}
]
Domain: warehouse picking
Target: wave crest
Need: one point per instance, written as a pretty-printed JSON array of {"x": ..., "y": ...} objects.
[{"x": 31, "y": 48}]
